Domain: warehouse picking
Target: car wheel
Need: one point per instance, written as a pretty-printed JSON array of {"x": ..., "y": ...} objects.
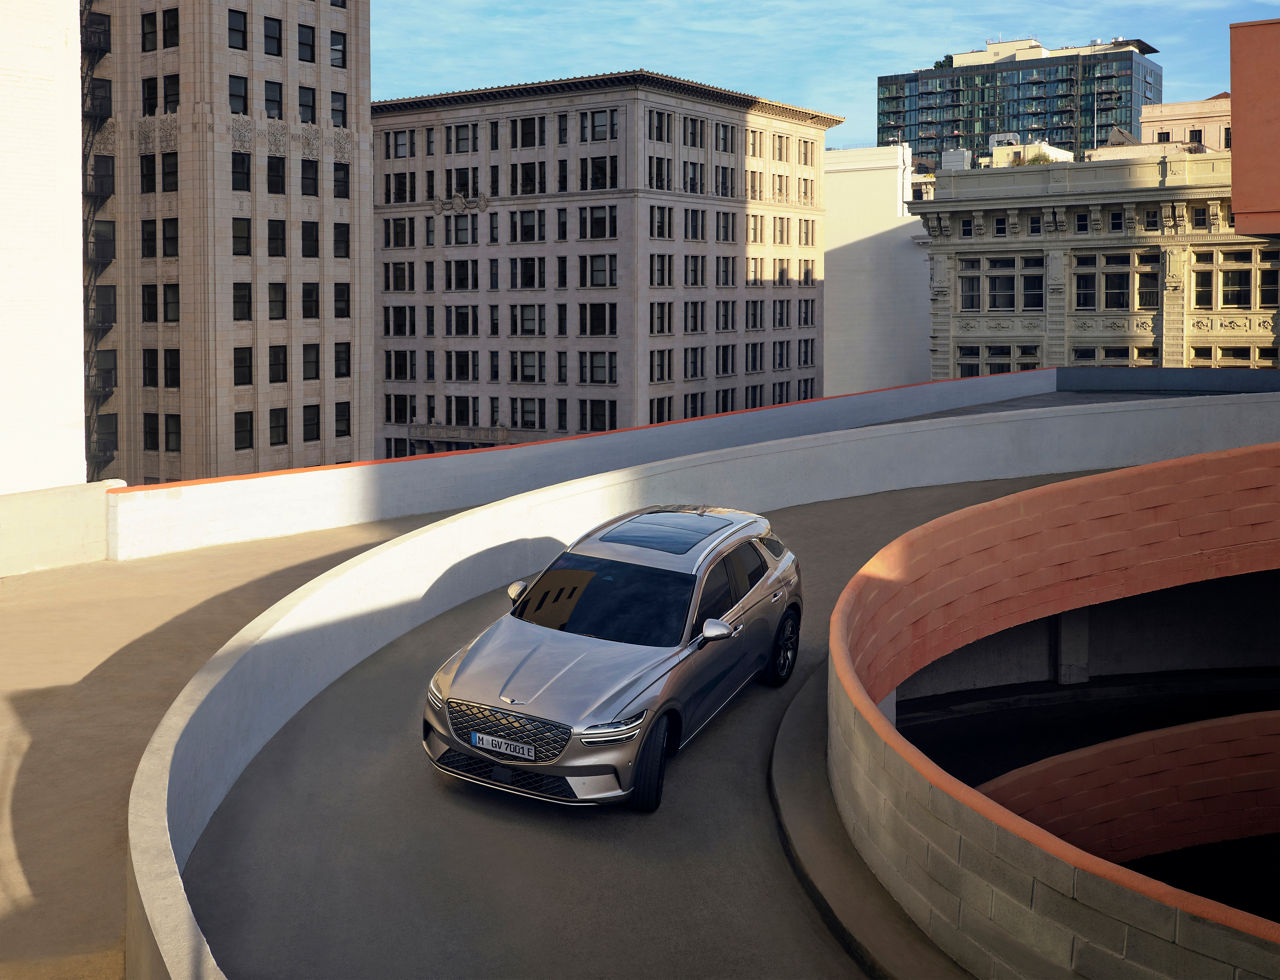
[
  {"x": 786, "y": 647},
  {"x": 651, "y": 765}
]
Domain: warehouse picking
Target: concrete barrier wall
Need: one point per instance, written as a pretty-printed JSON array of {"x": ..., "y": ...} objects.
[
  {"x": 180, "y": 516},
  {"x": 54, "y": 527},
  {"x": 999, "y": 894},
  {"x": 295, "y": 649},
  {"x": 1157, "y": 791}
]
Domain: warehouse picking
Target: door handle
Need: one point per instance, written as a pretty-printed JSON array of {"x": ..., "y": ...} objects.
[
  {"x": 777, "y": 595},
  {"x": 739, "y": 628}
]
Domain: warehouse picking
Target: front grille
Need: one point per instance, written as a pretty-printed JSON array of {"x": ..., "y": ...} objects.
[
  {"x": 547, "y": 738},
  {"x": 524, "y": 780}
]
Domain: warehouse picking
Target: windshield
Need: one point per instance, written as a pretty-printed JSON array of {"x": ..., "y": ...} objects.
[{"x": 612, "y": 600}]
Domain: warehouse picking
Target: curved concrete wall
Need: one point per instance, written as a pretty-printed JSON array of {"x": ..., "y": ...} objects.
[
  {"x": 1157, "y": 791},
  {"x": 998, "y": 893},
  {"x": 294, "y": 650}
]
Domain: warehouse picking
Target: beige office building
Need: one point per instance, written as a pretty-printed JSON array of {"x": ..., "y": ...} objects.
[
  {"x": 228, "y": 248},
  {"x": 590, "y": 254},
  {"x": 1128, "y": 261}
]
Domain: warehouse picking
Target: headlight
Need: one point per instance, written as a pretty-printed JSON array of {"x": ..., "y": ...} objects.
[
  {"x": 434, "y": 693},
  {"x": 613, "y": 731}
]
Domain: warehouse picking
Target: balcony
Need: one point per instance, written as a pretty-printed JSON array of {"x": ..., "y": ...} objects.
[
  {"x": 99, "y": 187},
  {"x": 99, "y": 319},
  {"x": 101, "y": 384},
  {"x": 99, "y": 452},
  {"x": 97, "y": 108},
  {"x": 100, "y": 252},
  {"x": 95, "y": 37}
]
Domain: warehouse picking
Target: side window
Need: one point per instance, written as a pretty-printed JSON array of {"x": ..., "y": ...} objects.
[
  {"x": 747, "y": 568},
  {"x": 774, "y": 546},
  {"x": 717, "y": 596}
]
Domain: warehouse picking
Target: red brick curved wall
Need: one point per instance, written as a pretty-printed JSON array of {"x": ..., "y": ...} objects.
[
  {"x": 995, "y": 891},
  {"x": 1155, "y": 792}
]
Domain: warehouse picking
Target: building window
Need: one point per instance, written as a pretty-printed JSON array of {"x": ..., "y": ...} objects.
[
  {"x": 306, "y": 43},
  {"x": 242, "y": 301},
  {"x": 310, "y": 423},
  {"x": 310, "y": 362},
  {"x": 275, "y": 175},
  {"x": 966, "y": 227},
  {"x": 1162, "y": 137},
  {"x": 149, "y": 32},
  {"x": 173, "y": 433},
  {"x": 244, "y": 430},
  {"x": 341, "y": 419},
  {"x": 342, "y": 359},
  {"x": 342, "y": 300},
  {"x": 242, "y": 366},
  {"x": 278, "y": 426},
  {"x": 150, "y": 431},
  {"x": 277, "y": 304},
  {"x": 171, "y": 87},
  {"x": 1082, "y": 223},
  {"x": 168, "y": 172},
  {"x": 310, "y": 178},
  {"x": 150, "y": 303},
  {"x": 241, "y": 166},
  {"x": 1117, "y": 221},
  {"x": 147, "y": 173},
  {"x": 271, "y": 35},
  {"x": 1116, "y": 290},
  {"x": 237, "y": 30},
  {"x": 338, "y": 103},
  {"x": 342, "y": 180},
  {"x": 337, "y": 49},
  {"x": 1195, "y": 136},
  {"x": 151, "y": 96},
  {"x": 238, "y": 89},
  {"x": 147, "y": 238},
  {"x": 310, "y": 301},
  {"x": 169, "y": 21},
  {"x": 172, "y": 367},
  {"x": 171, "y": 302},
  {"x": 273, "y": 98},
  {"x": 150, "y": 367},
  {"x": 341, "y": 240},
  {"x": 1236, "y": 289},
  {"x": 277, "y": 364}
]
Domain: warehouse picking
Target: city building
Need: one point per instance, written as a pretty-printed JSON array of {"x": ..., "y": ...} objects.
[
  {"x": 1070, "y": 97},
  {"x": 1129, "y": 261},
  {"x": 41, "y": 326},
  {"x": 876, "y": 295},
  {"x": 1206, "y": 123},
  {"x": 591, "y": 254},
  {"x": 228, "y": 247},
  {"x": 1255, "y": 75}
]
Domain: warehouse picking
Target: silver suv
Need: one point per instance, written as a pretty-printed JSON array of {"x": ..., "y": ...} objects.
[{"x": 617, "y": 655}]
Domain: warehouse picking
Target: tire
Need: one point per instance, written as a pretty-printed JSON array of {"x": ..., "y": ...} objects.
[
  {"x": 651, "y": 766},
  {"x": 785, "y": 651}
]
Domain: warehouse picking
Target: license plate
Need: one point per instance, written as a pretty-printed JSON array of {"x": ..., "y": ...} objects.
[{"x": 491, "y": 744}]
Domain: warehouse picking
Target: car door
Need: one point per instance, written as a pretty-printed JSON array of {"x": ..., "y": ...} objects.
[
  {"x": 754, "y": 614},
  {"x": 706, "y": 671}
]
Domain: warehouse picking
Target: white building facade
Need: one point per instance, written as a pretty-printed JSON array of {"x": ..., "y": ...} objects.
[
  {"x": 1119, "y": 261},
  {"x": 876, "y": 295},
  {"x": 592, "y": 254}
]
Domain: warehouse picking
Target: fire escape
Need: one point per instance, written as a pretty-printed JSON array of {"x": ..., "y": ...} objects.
[{"x": 98, "y": 174}]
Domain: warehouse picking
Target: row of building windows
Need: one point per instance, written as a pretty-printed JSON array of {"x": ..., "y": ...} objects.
[
  {"x": 242, "y": 307},
  {"x": 594, "y": 271},
  {"x": 596, "y": 319},
  {"x": 278, "y": 363},
  {"x": 107, "y": 433},
  {"x": 273, "y": 101},
  {"x": 1111, "y": 220},
  {"x": 242, "y": 238},
  {"x": 273, "y": 39},
  {"x": 278, "y": 175},
  {"x": 594, "y": 125}
]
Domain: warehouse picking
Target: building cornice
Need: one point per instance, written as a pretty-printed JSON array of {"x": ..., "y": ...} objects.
[{"x": 638, "y": 78}]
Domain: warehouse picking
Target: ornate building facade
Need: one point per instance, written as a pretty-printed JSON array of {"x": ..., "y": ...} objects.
[{"x": 1119, "y": 261}]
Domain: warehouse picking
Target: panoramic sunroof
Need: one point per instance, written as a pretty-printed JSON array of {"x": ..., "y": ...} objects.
[{"x": 674, "y": 532}]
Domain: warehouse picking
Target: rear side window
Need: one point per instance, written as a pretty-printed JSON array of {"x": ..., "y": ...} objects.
[{"x": 773, "y": 545}]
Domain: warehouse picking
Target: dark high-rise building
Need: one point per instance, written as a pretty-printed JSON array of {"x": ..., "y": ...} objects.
[{"x": 1069, "y": 97}]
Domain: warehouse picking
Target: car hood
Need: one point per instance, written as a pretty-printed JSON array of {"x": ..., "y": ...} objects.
[{"x": 564, "y": 677}]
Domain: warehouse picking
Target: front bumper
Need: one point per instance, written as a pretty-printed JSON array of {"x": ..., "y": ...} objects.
[{"x": 581, "y": 774}]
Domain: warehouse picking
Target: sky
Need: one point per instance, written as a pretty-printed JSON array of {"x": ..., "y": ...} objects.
[{"x": 819, "y": 55}]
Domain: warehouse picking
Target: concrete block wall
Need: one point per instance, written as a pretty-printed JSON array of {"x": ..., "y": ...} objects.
[
  {"x": 1157, "y": 791},
  {"x": 1003, "y": 896}
]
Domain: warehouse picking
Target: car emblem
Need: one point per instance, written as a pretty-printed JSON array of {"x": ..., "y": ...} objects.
[{"x": 510, "y": 700}]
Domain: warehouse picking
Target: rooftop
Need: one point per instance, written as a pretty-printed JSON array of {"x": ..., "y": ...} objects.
[{"x": 634, "y": 78}]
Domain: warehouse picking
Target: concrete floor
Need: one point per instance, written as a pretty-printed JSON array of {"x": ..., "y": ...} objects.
[{"x": 341, "y": 852}]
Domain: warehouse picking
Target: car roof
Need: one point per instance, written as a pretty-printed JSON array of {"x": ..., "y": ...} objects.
[{"x": 676, "y": 537}]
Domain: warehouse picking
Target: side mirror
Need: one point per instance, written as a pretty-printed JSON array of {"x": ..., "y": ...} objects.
[
  {"x": 515, "y": 590},
  {"x": 715, "y": 629}
]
